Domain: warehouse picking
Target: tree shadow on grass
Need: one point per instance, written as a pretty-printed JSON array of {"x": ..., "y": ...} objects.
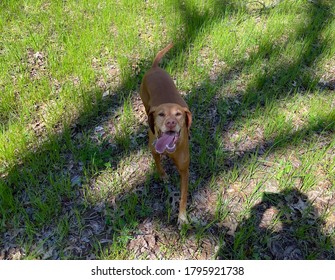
[
  {"x": 281, "y": 226},
  {"x": 271, "y": 85},
  {"x": 210, "y": 119},
  {"x": 59, "y": 172},
  {"x": 214, "y": 112},
  {"x": 77, "y": 227}
]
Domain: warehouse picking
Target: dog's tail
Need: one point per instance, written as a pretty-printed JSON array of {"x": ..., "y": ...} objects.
[{"x": 161, "y": 54}]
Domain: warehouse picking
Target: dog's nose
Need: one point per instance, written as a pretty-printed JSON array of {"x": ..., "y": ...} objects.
[{"x": 170, "y": 123}]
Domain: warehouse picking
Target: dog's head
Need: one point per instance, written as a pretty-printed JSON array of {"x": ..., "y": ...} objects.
[
  {"x": 169, "y": 117},
  {"x": 170, "y": 120}
]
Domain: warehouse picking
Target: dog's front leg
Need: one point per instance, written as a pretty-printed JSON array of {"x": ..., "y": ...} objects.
[
  {"x": 160, "y": 169},
  {"x": 157, "y": 157},
  {"x": 182, "y": 162},
  {"x": 182, "y": 217}
]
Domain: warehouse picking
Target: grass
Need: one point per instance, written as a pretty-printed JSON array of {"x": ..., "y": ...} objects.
[{"x": 77, "y": 180}]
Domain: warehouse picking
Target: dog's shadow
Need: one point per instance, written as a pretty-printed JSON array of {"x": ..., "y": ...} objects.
[{"x": 282, "y": 225}]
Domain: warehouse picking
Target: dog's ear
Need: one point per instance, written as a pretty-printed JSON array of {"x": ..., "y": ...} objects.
[
  {"x": 151, "y": 120},
  {"x": 188, "y": 119}
]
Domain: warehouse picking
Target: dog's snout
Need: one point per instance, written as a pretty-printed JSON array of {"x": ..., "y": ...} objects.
[{"x": 170, "y": 123}]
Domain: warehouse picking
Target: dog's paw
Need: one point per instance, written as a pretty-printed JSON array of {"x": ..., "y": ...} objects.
[{"x": 182, "y": 220}]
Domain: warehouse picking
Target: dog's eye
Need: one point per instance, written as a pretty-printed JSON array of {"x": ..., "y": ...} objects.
[
  {"x": 161, "y": 114},
  {"x": 178, "y": 114}
]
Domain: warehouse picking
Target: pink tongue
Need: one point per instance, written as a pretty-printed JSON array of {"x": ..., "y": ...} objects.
[{"x": 164, "y": 141}]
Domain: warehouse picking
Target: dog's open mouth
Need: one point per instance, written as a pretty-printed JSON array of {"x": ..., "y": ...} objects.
[{"x": 166, "y": 142}]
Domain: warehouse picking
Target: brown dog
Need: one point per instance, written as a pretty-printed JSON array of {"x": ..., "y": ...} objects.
[{"x": 169, "y": 121}]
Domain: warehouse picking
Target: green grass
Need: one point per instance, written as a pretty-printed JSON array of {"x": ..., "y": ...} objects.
[{"x": 76, "y": 178}]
